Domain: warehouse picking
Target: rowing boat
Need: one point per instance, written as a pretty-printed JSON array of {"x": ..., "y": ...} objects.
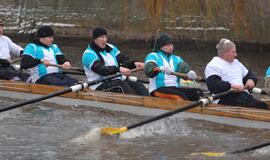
[{"x": 141, "y": 102}]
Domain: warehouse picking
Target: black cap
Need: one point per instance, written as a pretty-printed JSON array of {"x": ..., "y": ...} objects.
[
  {"x": 98, "y": 32},
  {"x": 163, "y": 39},
  {"x": 45, "y": 31}
]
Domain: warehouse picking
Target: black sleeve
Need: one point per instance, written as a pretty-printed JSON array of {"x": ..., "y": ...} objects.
[
  {"x": 61, "y": 59},
  {"x": 183, "y": 67},
  {"x": 149, "y": 69},
  {"x": 103, "y": 70},
  {"x": 21, "y": 52},
  {"x": 4, "y": 63},
  {"x": 124, "y": 61},
  {"x": 250, "y": 75},
  {"x": 216, "y": 85},
  {"x": 29, "y": 62}
]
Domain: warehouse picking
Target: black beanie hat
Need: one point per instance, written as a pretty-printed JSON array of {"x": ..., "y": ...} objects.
[
  {"x": 163, "y": 39},
  {"x": 45, "y": 31},
  {"x": 98, "y": 32}
]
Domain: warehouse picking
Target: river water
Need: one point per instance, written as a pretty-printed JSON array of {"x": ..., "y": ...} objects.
[{"x": 39, "y": 131}]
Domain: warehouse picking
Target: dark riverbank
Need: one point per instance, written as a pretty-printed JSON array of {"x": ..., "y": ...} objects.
[{"x": 198, "y": 20}]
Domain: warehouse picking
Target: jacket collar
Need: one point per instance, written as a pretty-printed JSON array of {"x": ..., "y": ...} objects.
[
  {"x": 37, "y": 42},
  {"x": 97, "y": 49}
]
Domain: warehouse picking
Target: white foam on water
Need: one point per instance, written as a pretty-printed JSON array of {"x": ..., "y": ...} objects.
[
  {"x": 9, "y": 114},
  {"x": 90, "y": 136},
  {"x": 168, "y": 126},
  {"x": 262, "y": 151}
]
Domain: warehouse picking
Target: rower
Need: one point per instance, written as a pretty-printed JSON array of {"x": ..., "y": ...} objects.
[
  {"x": 101, "y": 59},
  {"x": 7, "y": 47},
  {"x": 40, "y": 54},
  {"x": 160, "y": 66},
  {"x": 224, "y": 72},
  {"x": 267, "y": 78}
]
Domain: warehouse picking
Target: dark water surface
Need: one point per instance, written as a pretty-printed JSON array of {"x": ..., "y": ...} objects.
[{"x": 41, "y": 132}]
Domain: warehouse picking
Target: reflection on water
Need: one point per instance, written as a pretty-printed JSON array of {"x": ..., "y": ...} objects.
[{"x": 40, "y": 132}]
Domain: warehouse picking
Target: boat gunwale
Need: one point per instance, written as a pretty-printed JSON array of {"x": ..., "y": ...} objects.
[{"x": 140, "y": 101}]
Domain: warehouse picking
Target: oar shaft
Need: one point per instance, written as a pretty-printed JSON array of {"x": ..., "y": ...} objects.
[
  {"x": 194, "y": 104},
  {"x": 40, "y": 98},
  {"x": 184, "y": 76},
  {"x": 74, "y": 73},
  {"x": 71, "y": 68},
  {"x": 251, "y": 148},
  {"x": 203, "y": 101},
  {"x": 82, "y": 70},
  {"x": 74, "y": 88},
  {"x": 15, "y": 60},
  {"x": 143, "y": 81},
  {"x": 135, "y": 79},
  {"x": 77, "y": 69},
  {"x": 258, "y": 91}
]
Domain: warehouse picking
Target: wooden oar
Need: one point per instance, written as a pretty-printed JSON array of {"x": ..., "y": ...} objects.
[
  {"x": 135, "y": 79},
  {"x": 258, "y": 91},
  {"x": 181, "y": 75},
  {"x": 74, "y": 88},
  {"x": 184, "y": 76},
  {"x": 131, "y": 78},
  {"x": 15, "y": 60},
  {"x": 72, "y": 68},
  {"x": 201, "y": 102},
  {"x": 200, "y": 79},
  {"x": 72, "y": 72},
  {"x": 220, "y": 154}
]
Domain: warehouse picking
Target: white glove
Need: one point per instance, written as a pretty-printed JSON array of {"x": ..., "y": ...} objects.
[
  {"x": 17, "y": 67},
  {"x": 123, "y": 78},
  {"x": 166, "y": 70},
  {"x": 191, "y": 75}
]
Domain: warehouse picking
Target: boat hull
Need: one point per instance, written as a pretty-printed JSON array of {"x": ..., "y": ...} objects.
[{"x": 140, "y": 101}]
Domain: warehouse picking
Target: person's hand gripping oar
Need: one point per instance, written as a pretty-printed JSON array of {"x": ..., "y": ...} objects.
[
  {"x": 190, "y": 75},
  {"x": 201, "y": 102},
  {"x": 65, "y": 66}
]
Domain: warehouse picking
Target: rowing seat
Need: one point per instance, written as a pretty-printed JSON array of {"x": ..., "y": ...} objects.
[{"x": 166, "y": 95}]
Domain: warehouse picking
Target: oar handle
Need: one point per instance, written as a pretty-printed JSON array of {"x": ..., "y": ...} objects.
[
  {"x": 251, "y": 148},
  {"x": 135, "y": 69},
  {"x": 71, "y": 68},
  {"x": 258, "y": 91},
  {"x": 73, "y": 72},
  {"x": 15, "y": 60},
  {"x": 82, "y": 70},
  {"x": 134, "y": 79},
  {"x": 184, "y": 76}
]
